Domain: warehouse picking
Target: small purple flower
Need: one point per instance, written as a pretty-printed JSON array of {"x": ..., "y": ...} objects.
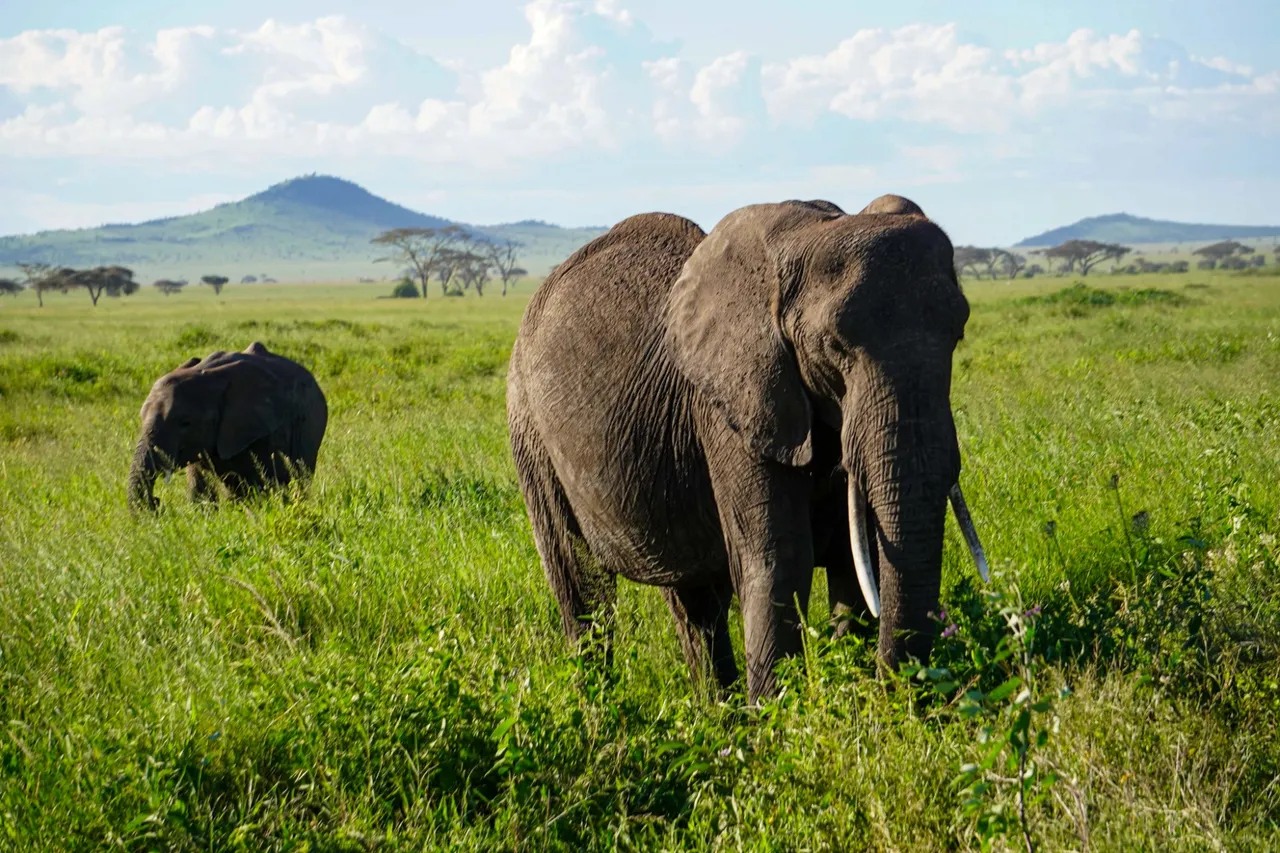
[
  {"x": 1035, "y": 611},
  {"x": 950, "y": 631}
]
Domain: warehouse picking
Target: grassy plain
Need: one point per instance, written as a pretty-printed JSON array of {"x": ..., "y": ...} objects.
[{"x": 379, "y": 666}]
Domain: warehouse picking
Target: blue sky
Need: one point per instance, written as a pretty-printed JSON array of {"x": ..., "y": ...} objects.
[{"x": 1000, "y": 118}]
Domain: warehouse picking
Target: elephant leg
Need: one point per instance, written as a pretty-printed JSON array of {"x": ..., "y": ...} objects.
[
  {"x": 701, "y": 615},
  {"x": 304, "y": 448},
  {"x": 277, "y": 470},
  {"x": 262, "y": 472},
  {"x": 248, "y": 472},
  {"x": 584, "y": 591},
  {"x": 200, "y": 489},
  {"x": 765, "y": 514},
  {"x": 280, "y": 472}
]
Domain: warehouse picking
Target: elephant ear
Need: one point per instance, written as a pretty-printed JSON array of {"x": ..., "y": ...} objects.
[
  {"x": 819, "y": 204},
  {"x": 252, "y": 407},
  {"x": 724, "y": 335}
]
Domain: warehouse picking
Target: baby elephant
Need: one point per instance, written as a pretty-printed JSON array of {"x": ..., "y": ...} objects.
[{"x": 251, "y": 419}]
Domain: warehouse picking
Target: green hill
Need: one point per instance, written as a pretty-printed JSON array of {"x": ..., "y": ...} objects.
[
  {"x": 1126, "y": 229},
  {"x": 308, "y": 228}
]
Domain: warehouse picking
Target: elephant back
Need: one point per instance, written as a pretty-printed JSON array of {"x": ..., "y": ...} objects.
[{"x": 639, "y": 257}]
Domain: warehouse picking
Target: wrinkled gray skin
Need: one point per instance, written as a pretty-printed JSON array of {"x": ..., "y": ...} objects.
[
  {"x": 683, "y": 412},
  {"x": 244, "y": 419},
  {"x": 892, "y": 204}
]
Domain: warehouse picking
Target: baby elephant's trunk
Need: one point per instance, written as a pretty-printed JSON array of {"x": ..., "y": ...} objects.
[{"x": 142, "y": 476}]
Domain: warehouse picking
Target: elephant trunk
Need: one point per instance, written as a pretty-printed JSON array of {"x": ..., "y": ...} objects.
[
  {"x": 142, "y": 474},
  {"x": 910, "y": 517},
  {"x": 903, "y": 459}
]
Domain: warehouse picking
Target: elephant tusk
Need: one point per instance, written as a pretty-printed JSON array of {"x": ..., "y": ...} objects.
[
  {"x": 970, "y": 532},
  {"x": 861, "y": 551}
]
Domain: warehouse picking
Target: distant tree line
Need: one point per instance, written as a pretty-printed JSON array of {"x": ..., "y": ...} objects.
[
  {"x": 1141, "y": 265},
  {"x": 995, "y": 263},
  {"x": 459, "y": 261},
  {"x": 114, "y": 281},
  {"x": 111, "y": 280},
  {"x": 1084, "y": 256},
  {"x": 1229, "y": 255},
  {"x": 451, "y": 256}
]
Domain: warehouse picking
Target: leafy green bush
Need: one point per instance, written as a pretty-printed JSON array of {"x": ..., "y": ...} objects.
[
  {"x": 1082, "y": 296},
  {"x": 405, "y": 289}
]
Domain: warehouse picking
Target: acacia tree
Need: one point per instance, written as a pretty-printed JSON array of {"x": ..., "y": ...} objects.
[
  {"x": 503, "y": 260},
  {"x": 41, "y": 278},
  {"x": 217, "y": 282},
  {"x": 993, "y": 261},
  {"x": 1085, "y": 253},
  {"x": 11, "y": 287},
  {"x": 169, "y": 287},
  {"x": 1012, "y": 263},
  {"x": 474, "y": 271},
  {"x": 113, "y": 280},
  {"x": 972, "y": 259},
  {"x": 453, "y": 263},
  {"x": 1218, "y": 252},
  {"x": 420, "y": 249}
]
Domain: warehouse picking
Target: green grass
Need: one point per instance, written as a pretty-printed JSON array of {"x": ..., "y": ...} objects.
[{"x": 380, "y": 666}]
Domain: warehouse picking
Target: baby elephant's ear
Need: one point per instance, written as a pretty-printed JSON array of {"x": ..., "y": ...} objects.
[
  {"x": 723, "y": 332},
  {"x": 253, "y": 407}
]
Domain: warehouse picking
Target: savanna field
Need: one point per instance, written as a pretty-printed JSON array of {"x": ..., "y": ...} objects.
[{"x": 379, "y": 665}]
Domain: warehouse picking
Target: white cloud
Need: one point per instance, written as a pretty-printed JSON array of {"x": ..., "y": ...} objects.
[
  {"x": 703, "y": 108},
  {"x": 919, "y": 72},
  {"x": 613, "y": 10},
  {"x": 927, "y": 74},
  {"x": 551, "y": 90},
  {"x": 97, "y": 71},
  {"x": 710, "y": 85},
  {"x": 553, "y": 94},
  {"x": 1221, "y": 63},
  {"x": 666, "y": 76},
  {"x": 589, "y": 78}
]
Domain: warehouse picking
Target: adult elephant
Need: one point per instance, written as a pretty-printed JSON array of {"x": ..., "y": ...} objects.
[
  {"x": 247, "y": 420},
  {"x": 701, "y": 412}
]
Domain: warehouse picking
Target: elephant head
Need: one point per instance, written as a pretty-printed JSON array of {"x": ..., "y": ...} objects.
[
  {"x": 216, "y": 407},
  {"x": 791, "y": 313},
  {"x": 892, "y": 204}
]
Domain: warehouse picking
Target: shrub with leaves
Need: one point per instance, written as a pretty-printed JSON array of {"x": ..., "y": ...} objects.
[{"x": 405, "y": 289}]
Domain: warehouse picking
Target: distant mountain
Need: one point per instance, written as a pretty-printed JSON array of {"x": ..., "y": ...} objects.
[
  {"x": 1123, "y": 228},
  {"x": 313, "y": 227}
]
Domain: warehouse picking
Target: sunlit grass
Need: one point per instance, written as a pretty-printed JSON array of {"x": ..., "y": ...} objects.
[{"x": 380, "y": 666}]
